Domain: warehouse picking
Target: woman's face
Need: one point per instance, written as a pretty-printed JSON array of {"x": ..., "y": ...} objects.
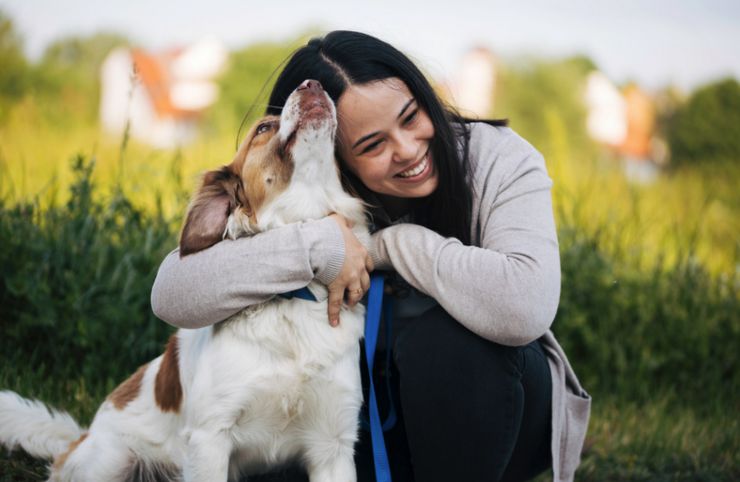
[{"x": 384, "y": 139}]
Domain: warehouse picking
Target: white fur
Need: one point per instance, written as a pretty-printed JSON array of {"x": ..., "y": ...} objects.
[
  {"x": 272, "y": 383},
  {"x": 41, "y": 432}
]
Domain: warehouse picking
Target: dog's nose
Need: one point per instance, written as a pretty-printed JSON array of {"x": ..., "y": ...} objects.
[{"x": 310, "y": 84}]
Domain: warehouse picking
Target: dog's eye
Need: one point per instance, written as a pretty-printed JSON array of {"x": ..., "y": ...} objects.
[{"x": 262, "y": 128}]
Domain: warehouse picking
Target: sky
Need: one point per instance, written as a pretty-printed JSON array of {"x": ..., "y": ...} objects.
[{"x": 653, "y": 42}]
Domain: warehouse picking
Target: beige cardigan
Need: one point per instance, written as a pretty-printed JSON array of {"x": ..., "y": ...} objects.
[{"x": 505, "y": 287}]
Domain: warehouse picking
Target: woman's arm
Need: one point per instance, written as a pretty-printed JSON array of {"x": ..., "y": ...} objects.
[
  {"x": 209, "y": 286},
  {"x": 507, "y": 290}
]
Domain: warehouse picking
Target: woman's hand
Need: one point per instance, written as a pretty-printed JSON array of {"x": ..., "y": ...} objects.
[{"x": 354, "y": 277}]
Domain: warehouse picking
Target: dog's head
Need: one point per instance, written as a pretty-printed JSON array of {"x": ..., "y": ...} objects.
[{"x": 275, "y": 177}]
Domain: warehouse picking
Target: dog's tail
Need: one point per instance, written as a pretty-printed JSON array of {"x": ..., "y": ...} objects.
[{"x": 37, "y": 429}]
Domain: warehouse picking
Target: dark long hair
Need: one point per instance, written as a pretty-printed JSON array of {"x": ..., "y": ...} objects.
[{"x": 343, "y": 58}]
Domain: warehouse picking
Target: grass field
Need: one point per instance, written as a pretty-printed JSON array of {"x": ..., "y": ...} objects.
[{"x": 649, "y": 315}]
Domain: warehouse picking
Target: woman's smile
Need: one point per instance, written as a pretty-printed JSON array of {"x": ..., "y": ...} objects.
[{"x": 418, "y": 171}]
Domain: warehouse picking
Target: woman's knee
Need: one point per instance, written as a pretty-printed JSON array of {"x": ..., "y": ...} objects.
[{"x": 436, "y": 344}]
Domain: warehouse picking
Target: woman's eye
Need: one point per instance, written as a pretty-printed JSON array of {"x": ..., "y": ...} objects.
[
  {"x": 411, "y": 117},
  {"x": 371, "y": 147}
]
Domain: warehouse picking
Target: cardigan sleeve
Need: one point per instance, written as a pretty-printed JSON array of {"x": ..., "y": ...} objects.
[
  {"x": 209, "y": 286},
  {"x": 507, "y": 287}
]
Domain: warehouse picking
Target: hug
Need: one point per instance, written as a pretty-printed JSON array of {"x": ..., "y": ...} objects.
[{"x": 461, "y": 215}]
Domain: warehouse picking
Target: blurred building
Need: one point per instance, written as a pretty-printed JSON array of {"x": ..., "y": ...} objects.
[
  {"x": 640, "y": 123},
  {"x": 161, "y": 97},
  {"x": 606, "y": 120},
  {"x": 471, "y": 89},
  {"x": 625, "y": 121}
]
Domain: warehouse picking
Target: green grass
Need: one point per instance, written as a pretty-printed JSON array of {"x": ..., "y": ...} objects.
[
  {"x": 76, "y": 280},
  {"x": 634, "y": 331},
  {"x": 19, "y": 467},
  {"x": 662, "y": 440}
]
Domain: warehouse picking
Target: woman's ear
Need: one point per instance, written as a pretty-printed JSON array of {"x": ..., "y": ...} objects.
[{"x": 209, "y": 211}]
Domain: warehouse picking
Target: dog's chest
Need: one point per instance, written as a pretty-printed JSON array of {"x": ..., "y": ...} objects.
[
  {"x": 294, "y": 333},
  {"x": 292, "y": 370}
]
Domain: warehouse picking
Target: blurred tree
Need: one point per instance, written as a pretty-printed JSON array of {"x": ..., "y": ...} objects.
[
  {"x": 84, "y": 55},
  {"x": 707, "y": 127},
  {"x": 69, "y": 70},
  {"x": 14, "y": 70},
  {"x": 543, "y": 101}
]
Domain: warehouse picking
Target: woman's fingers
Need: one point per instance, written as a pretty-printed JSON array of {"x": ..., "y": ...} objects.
[
  {"x": 351, "y": 292},
  {"x": 336, "y": 298},
  {"x": 354, "y": 295}
]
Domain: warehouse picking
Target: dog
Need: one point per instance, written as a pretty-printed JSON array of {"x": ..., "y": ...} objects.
[{"x": 272, "y": 384}]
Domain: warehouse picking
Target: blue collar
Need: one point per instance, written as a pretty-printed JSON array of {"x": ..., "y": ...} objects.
[{"x": 302, "y": 293}]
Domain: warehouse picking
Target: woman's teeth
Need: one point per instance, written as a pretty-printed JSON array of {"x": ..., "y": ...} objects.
[{"x": 416, "y": 170}]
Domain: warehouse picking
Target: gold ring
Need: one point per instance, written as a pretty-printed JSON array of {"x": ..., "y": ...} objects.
[{"x": 358, "y": 291}]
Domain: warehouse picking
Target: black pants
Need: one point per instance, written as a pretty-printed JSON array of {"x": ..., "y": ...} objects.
[{"x": 468, "y": 409}]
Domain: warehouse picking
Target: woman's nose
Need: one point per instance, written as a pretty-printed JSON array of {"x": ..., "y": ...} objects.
[{"x": 406, "y": 148}]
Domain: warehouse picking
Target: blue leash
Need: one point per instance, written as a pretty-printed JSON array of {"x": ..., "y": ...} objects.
[{"x": 372, "y": 326}]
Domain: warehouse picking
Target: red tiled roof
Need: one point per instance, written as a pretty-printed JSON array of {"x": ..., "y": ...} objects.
[{"x": 155, "y": 78}]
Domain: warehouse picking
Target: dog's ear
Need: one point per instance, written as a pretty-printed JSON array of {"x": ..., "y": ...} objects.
[{"x": 209, "y": 210}]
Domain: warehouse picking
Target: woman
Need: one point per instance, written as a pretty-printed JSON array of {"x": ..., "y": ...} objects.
[{"x": 463, "y": 216}]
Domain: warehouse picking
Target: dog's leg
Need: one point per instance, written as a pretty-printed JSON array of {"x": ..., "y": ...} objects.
[
  {"x": 340, "y": 470},
  {"x": 329, "y": 454},
  {"x": 332, "y": 423},
  {"x": 94, "y": 458},
  {"x": 208, "y": 452}
]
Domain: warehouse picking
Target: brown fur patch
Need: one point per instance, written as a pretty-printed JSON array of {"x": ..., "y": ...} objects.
[
  {"x": 209, "y": 211},
  {"x": 167, "y": 387},
  {"x": 264, "y": 166},
  {"x": 266, "y": 173},
  {"x": 258, "y": 171},
  {"x": 128, "y": 390},
  {"x": 62, "y": 459}
]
